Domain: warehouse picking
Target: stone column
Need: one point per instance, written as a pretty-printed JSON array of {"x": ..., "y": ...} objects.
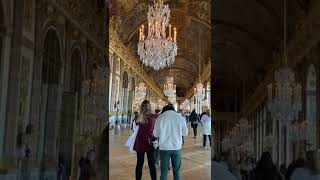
[
  {"x": 4, "y": 88},
  {"x": 276, "y": 143},
  {"x": 281, "y": 144},
  {"x": 9, "y": 151},
  {"x": 288, "y": 146}
]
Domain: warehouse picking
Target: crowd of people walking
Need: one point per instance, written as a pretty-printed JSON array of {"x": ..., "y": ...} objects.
[
  {"x": 160, "y": 136},
  {"x": 303, "y": 168}
]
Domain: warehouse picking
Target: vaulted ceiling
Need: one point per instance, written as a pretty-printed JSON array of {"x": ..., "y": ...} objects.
[
  {"x": 193, "y": 22},
  {"x": 246, "y": 34}
]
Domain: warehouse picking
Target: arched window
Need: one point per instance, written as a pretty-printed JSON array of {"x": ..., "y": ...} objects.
[
  {"x": 125, "y": 80},
  {"x": 51, "y": 65},
  {"x": 76, "y": 71}
]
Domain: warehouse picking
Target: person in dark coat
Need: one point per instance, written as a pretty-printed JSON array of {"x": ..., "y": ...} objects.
[
  {"x": 194, "y": 118},
  {"x": 266, "y": 170},
  {"x": 86, "y": 169}
]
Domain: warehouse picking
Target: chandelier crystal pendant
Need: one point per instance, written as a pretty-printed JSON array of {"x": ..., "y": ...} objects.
[
  {"x": 158, "y": 50},
  {"x": 284, "y": 96},
  {"x": 169, "y": 88},
  {"x": 141, "y": 91}
]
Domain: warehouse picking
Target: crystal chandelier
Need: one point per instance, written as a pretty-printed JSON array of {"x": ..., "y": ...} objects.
[
  {"x": 199, "y": 92},
  {"x": 141, "y": 91},
  {"x": 172, "y": 99},
  {"x": 284, "y": 97},
  {"x": 169, "y": 88},
  {"x": 185, "y": 105},
  {"x": 158, "y": 50}
]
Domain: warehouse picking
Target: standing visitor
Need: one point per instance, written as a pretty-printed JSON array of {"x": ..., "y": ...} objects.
[
  {"x": 144, "y": 140},
  {"x": 206, "y": 127},
  {"x": 311, "y": 169},
  {"x": 169, "y": 128},
  {"x": 194, "y": 122},
  {"x": 266, "y": 170},
  {"x": 157, "y": 111},
  {"x": 299, "y": 162},
  {"x": 86, "y": 169},
  {"x": 61, "y": 170}
]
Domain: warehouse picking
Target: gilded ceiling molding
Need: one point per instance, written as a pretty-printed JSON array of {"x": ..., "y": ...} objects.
[
  {"x": 205, "y": 75},
  {"x": 117, "y": 46}
]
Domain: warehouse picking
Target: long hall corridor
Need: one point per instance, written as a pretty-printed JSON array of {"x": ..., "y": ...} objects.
[{"x": 196, "y": 162}]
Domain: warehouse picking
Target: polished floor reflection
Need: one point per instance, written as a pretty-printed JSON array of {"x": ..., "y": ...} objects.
[{"x": 196, "y": 162}]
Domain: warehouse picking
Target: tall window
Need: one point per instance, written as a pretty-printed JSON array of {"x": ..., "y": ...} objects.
[
  {"x": 311, "y": 105},
  {"x": 76, "y": 75},
  {"x": 51, "y": 62}
]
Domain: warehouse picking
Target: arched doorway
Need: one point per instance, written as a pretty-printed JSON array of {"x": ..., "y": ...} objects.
[
  {"x": 51, "y": 95},
  {"x": 70, "y": 115}
]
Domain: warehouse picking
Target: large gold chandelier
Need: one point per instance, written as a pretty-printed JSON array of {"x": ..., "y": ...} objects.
[{"x": 158, "y": 50}]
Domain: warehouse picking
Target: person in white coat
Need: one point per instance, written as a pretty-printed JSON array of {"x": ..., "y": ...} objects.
[{"x": 206, "y": 127}]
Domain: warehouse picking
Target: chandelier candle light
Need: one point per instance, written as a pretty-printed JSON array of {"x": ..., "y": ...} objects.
[{"x": 157, "y": 50}]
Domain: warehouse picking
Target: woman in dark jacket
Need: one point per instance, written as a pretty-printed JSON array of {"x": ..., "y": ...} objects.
[
  {"x": 266, "y": 170},
  {"x": 194, "y": 118},
  {"x": 143, "y": 143}
]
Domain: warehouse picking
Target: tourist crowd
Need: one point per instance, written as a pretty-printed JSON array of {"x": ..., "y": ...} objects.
[
  {"x": 160, "y": 136},
  {"x": 306, "y": 167}
]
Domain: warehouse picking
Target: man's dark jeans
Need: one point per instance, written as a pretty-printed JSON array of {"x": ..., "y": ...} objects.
[{"x": 175, "y": 157}]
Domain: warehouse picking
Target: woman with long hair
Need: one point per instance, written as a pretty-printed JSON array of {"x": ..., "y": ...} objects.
[
  {"x": 143, "y": 143},
  {"x": 266, "y": 170}
]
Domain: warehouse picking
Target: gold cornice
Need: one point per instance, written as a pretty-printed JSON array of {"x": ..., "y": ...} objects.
[
  {"x": 205, "y": 75},
  {"x": 117, "y": 47}
]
